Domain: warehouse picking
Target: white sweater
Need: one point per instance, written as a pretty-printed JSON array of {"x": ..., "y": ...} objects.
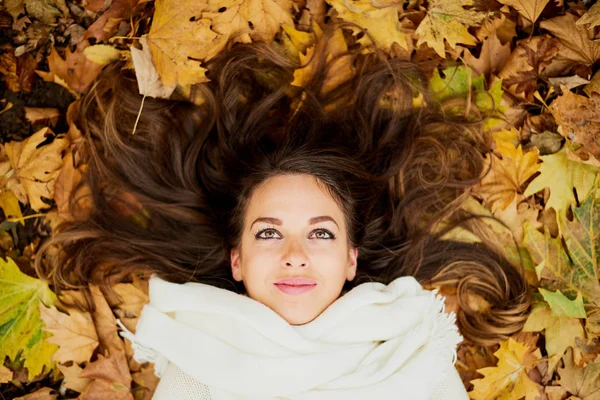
[
  {"x": 377, "y": 341},
  {"x": 177, "y": 385}
]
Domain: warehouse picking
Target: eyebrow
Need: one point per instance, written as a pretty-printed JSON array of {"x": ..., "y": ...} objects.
[{"x": 277, "y": 221}]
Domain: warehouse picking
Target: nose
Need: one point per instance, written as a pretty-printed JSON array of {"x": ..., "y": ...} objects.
[{"x": 295, "y": 255}]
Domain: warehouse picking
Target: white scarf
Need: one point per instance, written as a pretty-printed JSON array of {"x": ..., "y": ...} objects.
[{"x": 371, "y": 343}]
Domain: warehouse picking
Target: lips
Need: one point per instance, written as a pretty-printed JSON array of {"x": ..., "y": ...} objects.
[
  {"x": 295, "y": 285},
  {"x": 296, "y": 281},
  {"x": 294, "y": 289}
]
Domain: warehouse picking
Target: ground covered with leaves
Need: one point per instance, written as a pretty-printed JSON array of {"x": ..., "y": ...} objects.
[{"x": 530, "y": 64}]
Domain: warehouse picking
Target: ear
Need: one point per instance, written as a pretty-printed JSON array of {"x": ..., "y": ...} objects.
[
  {"x": 236, "y": 269},
  {"x": 352, "y": 263}
]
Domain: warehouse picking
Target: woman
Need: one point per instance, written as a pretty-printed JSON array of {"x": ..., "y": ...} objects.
[{"x": 288, "y": 230}]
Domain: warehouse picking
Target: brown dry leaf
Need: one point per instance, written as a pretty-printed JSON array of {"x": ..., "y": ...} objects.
[
  {"x": 507, "y": 174},
  {"x": 492, "y": 58},
  {"x": 380, "y": 21},
  {"x": 581, "y": 382},
  {"x": 73, "y": 378},
  {"x": 146, "y": 377},
  {"x": 592, "y": 17},
  {"x": 515, "y": 215},
  {"x": 129, "y": 306},
  {"x": 44, "y": 393},
  {"x": 555, "y": 392},
  {"x": 46, "y": 116},
  {"x": 105, "y": 26},
  {"x": 530, "y": 9},
  {"x": 594, "y": 85},
  {"x": 448, "y": 20},
  {"x": 34, "y": 169},
  {"x": 578, "y": 118},
  {"x": 504, "y": 28},
  {"x": 575, "y": 44},
  {"x": 526, "y": 63},
  {"x": 8, "y": 68},
  {"x": 74, "y": 333},
  {"x": 110, "y": 376},
  {"x": 75, "y": 72},
  {"x": 6, "y": 375},
  {"x": 106, "y": 324}
]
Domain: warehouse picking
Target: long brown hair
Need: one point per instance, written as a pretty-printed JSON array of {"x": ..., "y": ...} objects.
[{"x": 170, "y": 197}]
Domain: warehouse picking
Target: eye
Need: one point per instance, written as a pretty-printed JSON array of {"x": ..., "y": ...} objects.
[
  {"x": 325, "y": 231},
  {"x": 269, "y": 231}
]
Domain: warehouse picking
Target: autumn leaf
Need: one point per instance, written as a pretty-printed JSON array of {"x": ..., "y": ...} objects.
[
  {"x": 75, "y": 72},
  {"x": 73, "y": 333},
  {"x": 252, "y": 19},
  {"x": 575, "y": 268},
  {"x": 592, "y": 16},
  {"x": 578, "y": 118},
  {"x": 110, "y": 377},
  {"x": 526, "y": 64},
  {"x": 581, "y": 382},
  {"x": 148, "y": 78},
  {"x": 33, "y": 169},
  {"x": 128, "y": 303},
  {"x": 448, "y": 20},
  {"x": 560, "y": 332},
  {"x": 178, "y": 40},
  {"x": 105, "y": 26},
  {"x": 381, "y": 21},
  {"x": 561, "y": 175},
  {"x": 10, "y": 206},
  {"x": 562, "y": 306},
  {"x": 45, "y": 393},
  {"x": 20, "y": 321},
  {"x": 530, "y": 9},
  {"x": 507, "y": 174},
  {"x": 492, "y": 57},
  {"x": 575, "y": 45},
  {"x": 508, "y": 380},
  {"x": 73, "y": 378}
]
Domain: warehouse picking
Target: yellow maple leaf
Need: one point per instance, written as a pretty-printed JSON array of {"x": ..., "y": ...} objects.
[
  {"x": 508, "y": 380},
  {"x": 447, "y": 19},
  {"x": 20, "y": 320},
  {"x": 381, "y": 22},
  {"x": 252, "y": 19},
  {"x": 507, "y": 174},
  {"x": 561, "y": 175},
  {"x": 74, "y": 333},
  {"x": 33, "y": 169},
  {"x": 178, "y": 41},
  {"x": 530, "y": 9},
  {"x": 560, "y": 332}
]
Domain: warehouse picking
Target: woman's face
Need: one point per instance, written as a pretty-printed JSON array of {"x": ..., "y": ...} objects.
[{"x": 304, "y": 237}]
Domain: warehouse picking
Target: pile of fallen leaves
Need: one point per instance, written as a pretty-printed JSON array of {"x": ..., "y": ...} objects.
[{"x": 531, "y": 65}]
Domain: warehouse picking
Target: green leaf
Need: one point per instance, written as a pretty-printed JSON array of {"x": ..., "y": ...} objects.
[
  {"x": 562, "y": 306},
  {"x": 20, "y": 322},
  {"x": 572, "y": 268}
]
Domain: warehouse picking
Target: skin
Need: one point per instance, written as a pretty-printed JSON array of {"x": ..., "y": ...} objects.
[{"x": 295, "y": 248}]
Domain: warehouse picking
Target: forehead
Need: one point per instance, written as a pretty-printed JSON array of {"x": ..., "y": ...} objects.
[{"x": 298, "y": 196}]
